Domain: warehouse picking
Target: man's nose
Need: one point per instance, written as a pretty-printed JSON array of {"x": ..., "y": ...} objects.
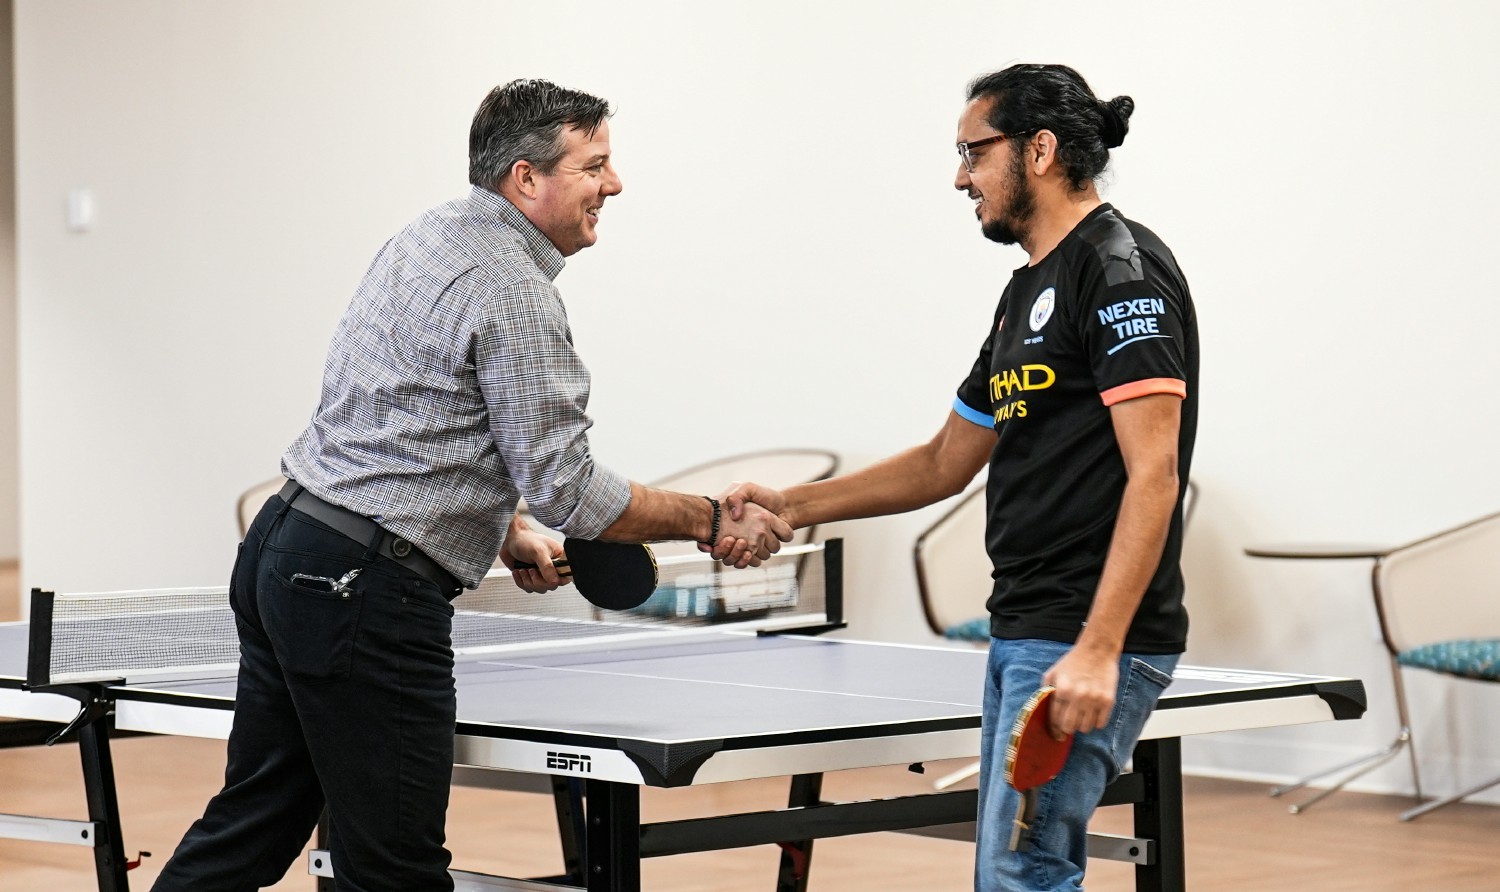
[{"x": 962, "y": 181}]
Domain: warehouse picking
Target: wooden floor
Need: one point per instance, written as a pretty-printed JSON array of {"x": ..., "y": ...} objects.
[{"x": 1238, "y": 838}]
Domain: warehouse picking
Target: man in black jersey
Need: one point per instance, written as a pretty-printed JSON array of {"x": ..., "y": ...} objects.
[{"x": 1084, "y": 401}]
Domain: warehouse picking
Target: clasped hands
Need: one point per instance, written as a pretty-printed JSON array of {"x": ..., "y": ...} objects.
[
  {"x": 749, "y": 533},
  {"x": 756, "y": 522}
]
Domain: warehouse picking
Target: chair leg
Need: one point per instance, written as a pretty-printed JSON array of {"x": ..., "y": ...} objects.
[
  {"x": 1436, "y": 804},
  {"x": 954, "y": 777},
  {"x": 1401, "y": 710},
  {"x": 1367, "y": 763},
  {"x": 1364, "y": 764}
]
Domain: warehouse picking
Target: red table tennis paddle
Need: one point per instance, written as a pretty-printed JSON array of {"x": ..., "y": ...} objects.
[
  {"x": 1032, "y": 758},
  {"x": 611, "y": 575}
]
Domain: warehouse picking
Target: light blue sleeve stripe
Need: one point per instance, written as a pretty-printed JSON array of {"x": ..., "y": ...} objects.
[{"x": 980, "y": 418}]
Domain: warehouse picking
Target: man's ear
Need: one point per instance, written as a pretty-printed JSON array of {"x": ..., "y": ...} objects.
[
  {"x": 1041, "y": 152},
  {"x": 522, "y": 178}
]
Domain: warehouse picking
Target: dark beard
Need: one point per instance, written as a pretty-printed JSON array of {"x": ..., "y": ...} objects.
[{"x": 1012, "y": 226}]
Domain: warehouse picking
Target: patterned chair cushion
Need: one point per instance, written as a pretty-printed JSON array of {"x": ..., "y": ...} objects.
[
  {"x": 976, "y": 629},
  {"x": 1469, "y": 658}
]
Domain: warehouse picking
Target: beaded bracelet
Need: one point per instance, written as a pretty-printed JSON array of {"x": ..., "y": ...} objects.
[{"x": 713, "y": 536}]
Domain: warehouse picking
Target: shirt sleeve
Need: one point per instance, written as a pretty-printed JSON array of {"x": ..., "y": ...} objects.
[
  {"x": 536, "y": 389},
  {"x": 1133, "y": 330},
  {"x": 973, "y": 400}
]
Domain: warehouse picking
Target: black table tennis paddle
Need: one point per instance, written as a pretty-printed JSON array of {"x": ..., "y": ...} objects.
[
  {"x": 611, "y": 575},
  {"x": 1032, "y": 758}
]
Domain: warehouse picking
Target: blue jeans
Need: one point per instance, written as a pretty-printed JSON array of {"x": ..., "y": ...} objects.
[
  {"x": 1059, "y": 834},
  {"x": 346, "y": 698}
]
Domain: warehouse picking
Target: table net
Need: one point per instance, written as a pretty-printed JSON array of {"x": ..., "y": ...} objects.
[{"x": 102, "y": 636}]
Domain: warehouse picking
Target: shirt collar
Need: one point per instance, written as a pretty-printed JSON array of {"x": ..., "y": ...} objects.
[{"x": 545, "y": 254}]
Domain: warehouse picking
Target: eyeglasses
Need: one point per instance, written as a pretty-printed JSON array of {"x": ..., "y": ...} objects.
[{"x": 966, "y": 149}]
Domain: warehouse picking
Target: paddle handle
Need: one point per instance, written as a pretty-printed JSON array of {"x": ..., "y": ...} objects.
[
  {"x": 1020, "y": 830},
  {"x": 561, "y": 565}
]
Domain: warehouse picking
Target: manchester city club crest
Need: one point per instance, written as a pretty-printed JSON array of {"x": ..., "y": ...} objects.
[{"x": 1041, "y": 311}]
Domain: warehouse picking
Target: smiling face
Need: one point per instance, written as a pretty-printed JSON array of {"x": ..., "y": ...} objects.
[
  {"x": 1004, "y": 200},
  {"x": 567, "y": 201}
]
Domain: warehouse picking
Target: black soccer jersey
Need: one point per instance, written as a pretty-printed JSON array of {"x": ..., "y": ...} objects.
[{"x": 1106, "y": 316}]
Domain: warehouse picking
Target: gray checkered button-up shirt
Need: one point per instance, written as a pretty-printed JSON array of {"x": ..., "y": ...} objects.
[{"x": 452, "y": 389}]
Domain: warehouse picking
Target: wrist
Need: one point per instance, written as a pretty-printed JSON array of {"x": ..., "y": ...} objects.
[
  {"x": 793, "y": 507},
  {"x": 715, "y": 520},
  {"x": 1095, "y": 642}
]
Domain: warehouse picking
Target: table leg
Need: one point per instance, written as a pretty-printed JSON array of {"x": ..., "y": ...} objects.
[
  {"x": 614, "y": 836},
  {"x": 104, "y": 805},
  {"x": 1159, "y": 815},
  {"x": 796, "y": 856},
  {"x": 567, "y": 800}
]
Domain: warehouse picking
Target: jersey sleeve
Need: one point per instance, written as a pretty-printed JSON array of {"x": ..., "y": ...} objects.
[
  {"x": 972, "y": 402},
  {"x": 1134, "y": 332}
]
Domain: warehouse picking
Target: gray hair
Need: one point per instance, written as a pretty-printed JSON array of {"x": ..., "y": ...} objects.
[{"x": 523, "y": 121}]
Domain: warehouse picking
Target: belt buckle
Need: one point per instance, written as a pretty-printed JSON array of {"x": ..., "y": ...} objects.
[{"x": 400, "y": 548}]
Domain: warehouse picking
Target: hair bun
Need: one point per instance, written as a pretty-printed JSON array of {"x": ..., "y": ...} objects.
[{"x": 1116, "y": 114}]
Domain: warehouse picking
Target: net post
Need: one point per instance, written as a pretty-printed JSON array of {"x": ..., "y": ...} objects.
[
  {"x": 39, "y": 647},
  {"x": 833, "y": 595},
  {"x": 833, "y": 579}
]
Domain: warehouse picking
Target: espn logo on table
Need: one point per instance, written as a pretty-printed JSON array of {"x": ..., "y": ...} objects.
[{"x": 578, "y": 762}]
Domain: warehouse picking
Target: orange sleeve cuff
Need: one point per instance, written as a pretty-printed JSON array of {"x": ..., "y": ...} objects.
[{"x": 1144, "y": 388}]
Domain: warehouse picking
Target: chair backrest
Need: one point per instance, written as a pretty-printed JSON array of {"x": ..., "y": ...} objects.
[
  {"x": 776, "y": 468},
  {"x": 953, "y": 568},
  {"x": 252, "y": 499},
  {"x": 1441, "y": 588}
]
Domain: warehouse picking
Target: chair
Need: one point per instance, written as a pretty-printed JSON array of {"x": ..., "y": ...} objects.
[
  {"x": 953, "y": 571},
  {"x": 252, "y": 499},
  {"x": 1438, "y": 601}
]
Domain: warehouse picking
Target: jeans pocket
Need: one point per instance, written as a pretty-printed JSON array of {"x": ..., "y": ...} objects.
[
  {"x": 311, "y": 625},
  {"x": 1140, "y": 687},
  {"x": 1150, "y": 673},
  {"x": 427, "y": 596}
]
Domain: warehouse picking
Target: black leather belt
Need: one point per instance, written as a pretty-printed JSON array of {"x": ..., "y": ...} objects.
[{"x": 364, "y": 531}]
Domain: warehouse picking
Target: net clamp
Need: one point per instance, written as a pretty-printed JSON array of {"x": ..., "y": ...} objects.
[{"x": 93, "y": 705}]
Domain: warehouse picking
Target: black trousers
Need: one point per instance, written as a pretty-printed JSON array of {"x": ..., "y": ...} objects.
[{"x": 345, "y": 697}]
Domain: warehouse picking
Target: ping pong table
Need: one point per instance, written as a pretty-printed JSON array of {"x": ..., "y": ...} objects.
[{"x": 673, "y": 707}]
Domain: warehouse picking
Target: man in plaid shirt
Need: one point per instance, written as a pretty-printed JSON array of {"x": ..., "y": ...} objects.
[{"x": 451, "y": 391}]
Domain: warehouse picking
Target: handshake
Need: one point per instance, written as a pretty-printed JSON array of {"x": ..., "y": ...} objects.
[{"x": 755, "y": 521}]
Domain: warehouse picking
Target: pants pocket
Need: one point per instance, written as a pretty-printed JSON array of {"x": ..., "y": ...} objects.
[
  {"x": 425, "y": 595},
  {"x": 312, "y": 625},
  {"x": 1150, "y": 673}
]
